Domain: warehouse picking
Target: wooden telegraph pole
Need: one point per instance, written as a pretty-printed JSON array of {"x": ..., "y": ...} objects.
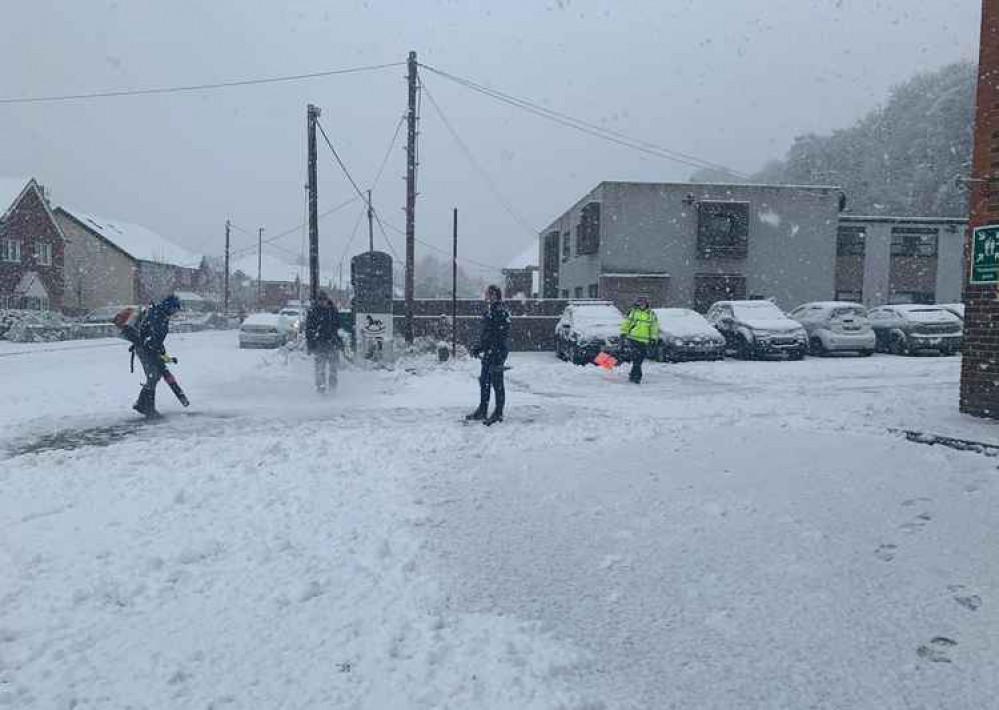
[
  {"x": 410, "y": 196},
  {"x": 225, "y": 286},
  {"x": 312, "y": 115}
]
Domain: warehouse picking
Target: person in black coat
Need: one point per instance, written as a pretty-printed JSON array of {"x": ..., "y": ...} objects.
[
  {"x": 493, "y": 348},
  {"x": 322, "y": 338},
  {"x": 151, "y": 351}
]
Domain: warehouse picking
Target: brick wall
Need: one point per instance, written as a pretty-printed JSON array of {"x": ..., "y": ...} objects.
[
  {"x": 31, "y": 224},
  {"x": 980, "y": 366}
]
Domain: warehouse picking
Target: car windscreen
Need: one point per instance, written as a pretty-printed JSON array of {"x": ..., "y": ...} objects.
[{"x": 756, "y": 310}]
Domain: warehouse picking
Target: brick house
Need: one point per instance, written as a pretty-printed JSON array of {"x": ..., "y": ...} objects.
[
  {"x": 112, "y": 262},
  {"x": 980, "y": 365},
  {"x": 31, "y": 248}
]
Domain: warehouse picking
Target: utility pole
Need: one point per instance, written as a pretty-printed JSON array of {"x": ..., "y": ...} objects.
[
  {"x": 410, "y": 196},
  {"x": 371, "y": 232},
  {"x": 312, "y": 115},
  {"x": 225, "y": 287},
  {"x": 454, "y": 289},
  {"x": 260, "y": 265}
]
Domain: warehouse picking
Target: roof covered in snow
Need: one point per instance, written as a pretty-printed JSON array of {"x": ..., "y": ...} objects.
[
  {"x": 272, "y": 269},
  {"x": 139, "y": 242},
  {"x": 526, "y": 259},
  {"x": 10, "y": 189}
]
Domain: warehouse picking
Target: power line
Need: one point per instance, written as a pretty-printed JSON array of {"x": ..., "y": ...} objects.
[
  {"x": 388, "y": 153},
  {"x": 487, "y": 267},
  {"x": 478, "y": 168},
  {"x": 284, "y": 233},
  {"x": 195, "y": 87},
  {"x": 587, "y": 127},
  {"x": 343, "y": 167}
]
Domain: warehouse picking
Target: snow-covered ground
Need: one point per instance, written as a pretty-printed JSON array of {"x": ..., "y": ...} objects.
[{"x": 726, "y": 535}]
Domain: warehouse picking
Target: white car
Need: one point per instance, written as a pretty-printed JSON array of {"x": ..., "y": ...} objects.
[
  {"x": 295, "y": 316},
  {"x": 586, "y": 328},
  {"x": 836, "y": 326},
  {"x": 686, "y": 335},
  {"x": 265, "y": 330}
]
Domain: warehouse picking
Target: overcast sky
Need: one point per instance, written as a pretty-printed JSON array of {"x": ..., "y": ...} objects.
[{"x": 731, "y": 81}]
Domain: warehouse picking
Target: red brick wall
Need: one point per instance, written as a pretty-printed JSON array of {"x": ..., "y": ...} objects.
[
  {"x": 980, "y": 368},
  {"x": 31, "y": 224}
]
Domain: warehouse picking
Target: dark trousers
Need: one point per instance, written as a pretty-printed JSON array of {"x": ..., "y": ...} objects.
[
  {"x": 491, "y": 377},
  {"x": 152, "y": 366},
  {"x": 327, "y": 360},
  {"x": 639, "y": 351}
]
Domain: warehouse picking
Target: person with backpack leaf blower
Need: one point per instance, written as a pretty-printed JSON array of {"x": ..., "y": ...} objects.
[
  {"x": 639, "y": 330},
  {"x": 149, "y": 347},
  {"x": 493, "y": 348}
]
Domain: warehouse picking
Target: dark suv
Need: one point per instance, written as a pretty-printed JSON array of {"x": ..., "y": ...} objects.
[
  {"x": 909, "y": 328},
  {"x": 758, "y": 328}
]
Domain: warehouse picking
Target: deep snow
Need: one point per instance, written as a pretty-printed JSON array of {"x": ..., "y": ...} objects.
[{"x": 726, "y": 535}]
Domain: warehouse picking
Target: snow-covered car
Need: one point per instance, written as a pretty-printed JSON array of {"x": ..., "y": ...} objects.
[
  {"x": 296, "y": 317},
  {"x": 906, "y": 329},
  {"x": 956, "y": 308},
  {"x": 758, "y": 328},
  {"x": 264, "y": 330},
  {"x": 687, "y": 335},
  {"x": 835, "y": 326},
  {"x": 105, "y": 314},
  {"x": 586, "y": 328}
]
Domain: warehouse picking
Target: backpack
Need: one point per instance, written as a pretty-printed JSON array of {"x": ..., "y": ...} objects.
[{"x": 129, "y": 322}]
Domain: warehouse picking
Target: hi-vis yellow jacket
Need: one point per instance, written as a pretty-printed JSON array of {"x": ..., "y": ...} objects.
[{"x": 641, "y": 325}]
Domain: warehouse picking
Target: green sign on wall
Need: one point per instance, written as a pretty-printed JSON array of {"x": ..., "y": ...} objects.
[{"x": 985, "y": 255}]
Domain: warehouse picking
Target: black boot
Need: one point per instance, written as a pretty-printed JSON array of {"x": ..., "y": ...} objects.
[
  {"x": 478, "y": 415},
  {"x": 494, "y": 418},
  {"x": 146, "y": 403}
]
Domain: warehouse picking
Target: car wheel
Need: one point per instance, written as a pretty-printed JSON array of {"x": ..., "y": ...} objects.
[
  {"x": 866, "y": 353},
  {"x": 898, "y": 345},
  {"x": 578, "y": 358},
  {"x": 743, "y": 348},
  {"x": 816, "y": 347},
  {"x": 797, "y": 355}
]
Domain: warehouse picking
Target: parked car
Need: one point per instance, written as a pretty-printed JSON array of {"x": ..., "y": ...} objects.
[
  {"x": 956, "y": 308},
  {"x": 105, "y": 314},
  {"x": 758, "y": 328},
  {"x": 296, "y": 317},
  {"x": 835, "y": 326},
  {"x": 910, "y": 328},
  {"x": 586, "y": 328},
  {"x": 686, "y": 335},
  {"x": 265, "y": 330}
]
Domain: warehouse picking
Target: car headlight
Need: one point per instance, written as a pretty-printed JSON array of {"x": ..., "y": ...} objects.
[
  {"x": 800, "y": 334},
  {"x": 678, "y": 342}
]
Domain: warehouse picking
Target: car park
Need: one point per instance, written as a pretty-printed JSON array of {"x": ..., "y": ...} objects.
[
  {"x": 835, "y": 326},
  {"x": 758, "y": 329},
  {"x": 265, "y": 330},
  {"x": 907, "y": 329},
  {"x": 586, "y": 328},
  {"x": 685, "y": 334}
]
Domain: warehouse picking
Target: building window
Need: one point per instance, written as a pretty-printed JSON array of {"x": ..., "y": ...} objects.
[
  {"x": 578, "y": 291},
  {"x": 592, "y": 290},
  {"x": 711, "y": 288},
  {"x": 918, "y": 297},
  {"x": 565, "y": 293},
  {"x": 722, "y": 230},
  {"x": 549, "y": 278},
  {"x": 850, "y": 241},
  {"x": 852, "y": 296},
  {"x": 588, "y": 229},
  {"x": 43, "y": 254},
  {"x": 566, "y": 246},
  {"x": 10, "y": 251},
  {"x": 914, "y": 241}
]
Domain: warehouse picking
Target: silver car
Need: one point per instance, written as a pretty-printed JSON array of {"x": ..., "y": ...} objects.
[
  {"x": 265, "y": 330},
  {"x": 910, "y": 328},
  {"x": 836, "y": 326}
]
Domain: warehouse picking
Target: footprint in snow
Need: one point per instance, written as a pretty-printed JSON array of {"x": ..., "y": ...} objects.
[
  {"x": 886, "y": 552},
  {"x": 915, "y": 501},
  {"x": 971, "y": 602},
  {"x": 916, "y": 523},
  {"x": 936, "y": 650}
]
